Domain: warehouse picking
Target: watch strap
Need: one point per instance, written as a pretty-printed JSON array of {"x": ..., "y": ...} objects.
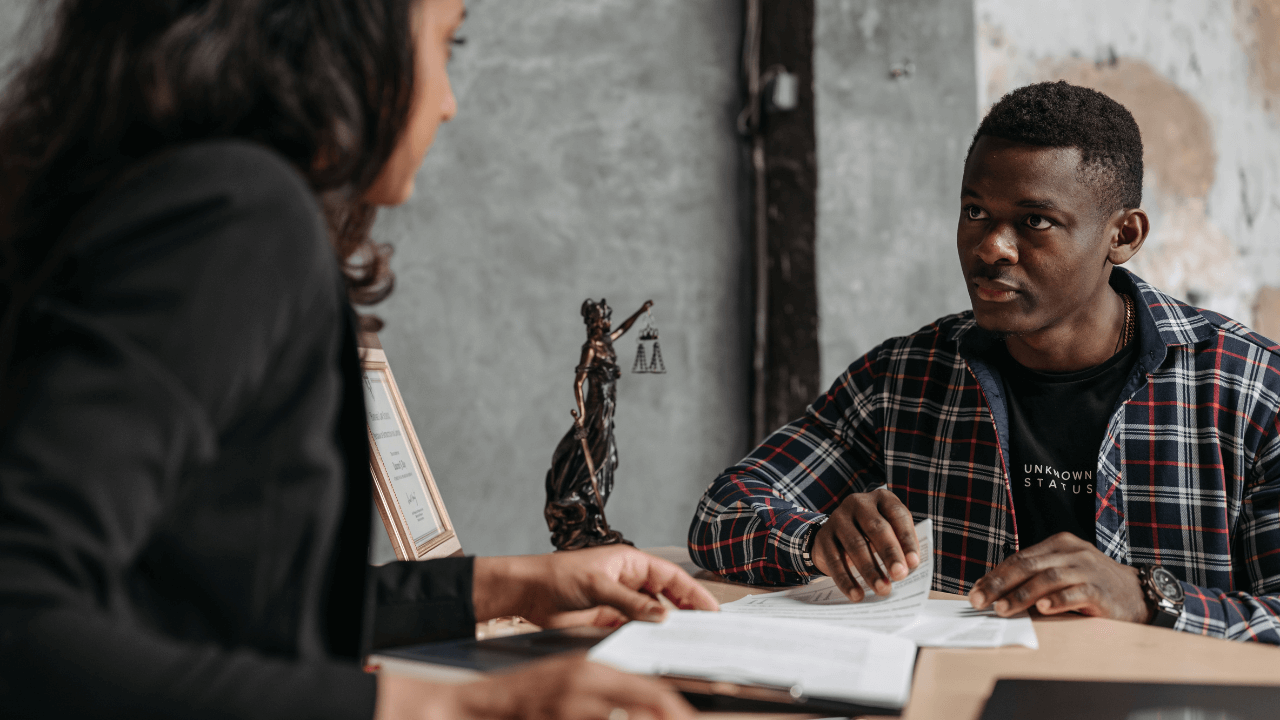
[
  {"x": 1165, "y": 617},
  {"x": 1166, "y": 611},
  {"x": 806, "y": 551}
]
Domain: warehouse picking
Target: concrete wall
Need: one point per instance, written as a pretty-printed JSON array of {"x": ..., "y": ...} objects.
[
  {"x": 592, "y": 156},
  {"x": 891, "y": 152},
  {"x": 1202, "y": 78}
]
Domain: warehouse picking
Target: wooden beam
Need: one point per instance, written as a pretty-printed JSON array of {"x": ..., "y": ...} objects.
[{"x": 786, "y": 373}]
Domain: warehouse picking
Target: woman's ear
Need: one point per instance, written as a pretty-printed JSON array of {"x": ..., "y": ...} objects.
[{"x": 1128, "y": 231}]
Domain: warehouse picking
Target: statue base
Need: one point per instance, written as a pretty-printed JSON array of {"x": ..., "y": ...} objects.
[{"x": 613, "y": 537}]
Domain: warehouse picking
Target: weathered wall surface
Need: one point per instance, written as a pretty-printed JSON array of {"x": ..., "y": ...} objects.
[
  {"x": 1202, "y": 78},
  {"x": 593, "y": 155},
  {"x": 891, "y": 152}
]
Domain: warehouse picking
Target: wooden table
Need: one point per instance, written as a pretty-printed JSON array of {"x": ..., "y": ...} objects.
[{"x": 954, "y": 684}]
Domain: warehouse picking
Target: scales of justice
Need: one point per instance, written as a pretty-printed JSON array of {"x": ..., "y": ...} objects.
[{"x": 582, "y": 468}]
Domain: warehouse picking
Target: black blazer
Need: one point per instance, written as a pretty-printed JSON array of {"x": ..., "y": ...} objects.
[{"x": 184, "y": 479}]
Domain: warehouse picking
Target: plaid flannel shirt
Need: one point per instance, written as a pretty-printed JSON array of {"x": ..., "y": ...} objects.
[{"x": 1188, "y": 474}]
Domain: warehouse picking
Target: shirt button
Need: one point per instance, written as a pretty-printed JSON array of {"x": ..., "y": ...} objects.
[{"x": 1008, "y": 548}]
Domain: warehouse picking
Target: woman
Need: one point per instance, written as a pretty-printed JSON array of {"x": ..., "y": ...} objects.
[
  {"x": 578, "y": 486},
  {"x": 184, "y": 497}
]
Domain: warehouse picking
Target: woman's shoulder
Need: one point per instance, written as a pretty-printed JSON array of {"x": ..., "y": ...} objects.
[
  {"x": 210, "y": 260},
  {"x": 229, "y": 204},
  {"x": 216, "y": 157},
  {"x": 218, "y": 181}
]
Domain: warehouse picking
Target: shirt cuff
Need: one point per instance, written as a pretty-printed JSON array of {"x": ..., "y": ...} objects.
[
  {"x": 1198, "y": 616},
  {"x": 418, "y": 602},
  {"x": 792, "y": 537}
]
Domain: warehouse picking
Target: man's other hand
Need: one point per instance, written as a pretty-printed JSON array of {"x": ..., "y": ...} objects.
[
  {"x": 603, "y": 586},
  {"x": 866, "y": 523},
  {"x": 1062, "y": 574}
]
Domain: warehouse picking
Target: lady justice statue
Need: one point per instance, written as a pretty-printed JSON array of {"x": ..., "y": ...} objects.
[{"x": 581, "y": 474}]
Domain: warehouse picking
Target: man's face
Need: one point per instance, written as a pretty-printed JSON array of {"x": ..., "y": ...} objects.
[{"x": 1032, "y": 238}]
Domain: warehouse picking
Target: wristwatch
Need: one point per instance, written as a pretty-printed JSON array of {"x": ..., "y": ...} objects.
[
  {"x": 806, "y": 552},
  {"x": 1163, "y": 592}
]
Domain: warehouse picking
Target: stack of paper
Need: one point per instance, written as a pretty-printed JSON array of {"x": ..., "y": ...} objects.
[
  {"x": 955, "y": 624},
  {"x": 906, "y": 611},
  {"x": 813, "y": 642},
  {"x": 808, "y": 659}
]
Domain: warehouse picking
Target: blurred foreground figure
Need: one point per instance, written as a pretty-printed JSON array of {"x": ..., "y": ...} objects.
[{"x": 186, "y": 189}]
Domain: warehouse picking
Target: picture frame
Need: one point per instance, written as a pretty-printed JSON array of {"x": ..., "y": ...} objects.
[{"x": 404, "y": 490}]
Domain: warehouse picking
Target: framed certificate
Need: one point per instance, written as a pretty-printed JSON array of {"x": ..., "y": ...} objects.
[{"x": 404, "y": 491}]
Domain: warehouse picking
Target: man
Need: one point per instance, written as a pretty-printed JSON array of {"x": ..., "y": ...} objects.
[{"x": 1082, "y": 441}]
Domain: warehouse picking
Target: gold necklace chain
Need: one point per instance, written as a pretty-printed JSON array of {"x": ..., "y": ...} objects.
[{"x": 1126, "y": 333}]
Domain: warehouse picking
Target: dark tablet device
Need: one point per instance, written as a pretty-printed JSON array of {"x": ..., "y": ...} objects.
[
  {"x": 507, "y": 652},
  {"x": 1069, "y": 700}
]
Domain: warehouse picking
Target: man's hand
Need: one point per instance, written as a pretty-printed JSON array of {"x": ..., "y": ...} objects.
[
  {"x": 604, "y": 586},
  {"x": 1062, "y": 574},
  {"x": 865, "y": 523},
  {"x": 564, "y": 688}
]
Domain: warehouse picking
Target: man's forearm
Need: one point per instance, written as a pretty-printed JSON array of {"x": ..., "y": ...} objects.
[
  {"x": 752, "y": 523},
  {"x": 744, "y": 531},
  {"x": 1230, "y": 615},
  {"x": 424, "y": 601}
]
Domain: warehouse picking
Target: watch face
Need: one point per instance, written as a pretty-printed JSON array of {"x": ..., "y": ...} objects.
[{"x": 1166, "y": 584}]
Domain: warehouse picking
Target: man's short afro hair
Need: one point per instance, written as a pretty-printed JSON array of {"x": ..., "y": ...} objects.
[{"x": 1061, "y": 115}]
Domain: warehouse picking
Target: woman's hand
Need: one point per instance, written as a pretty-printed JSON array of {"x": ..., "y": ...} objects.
[
  {"x": 568, "y": 687},
  {"x": 603, "y": 586}
]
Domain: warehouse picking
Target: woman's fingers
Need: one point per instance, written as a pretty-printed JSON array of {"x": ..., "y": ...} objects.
[
  {"x": 572, "y": 688},
  {"x": 667, "y": 579},
  {"x": 633, "y": 604},
  {"x": 631, "y": 581},
  {"x": 591, "y": 683},
  {"x": 600, "y": 616},
  {"x": 635, "y": 692}
]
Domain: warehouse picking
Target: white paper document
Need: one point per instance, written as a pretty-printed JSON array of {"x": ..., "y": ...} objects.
[
  {"x": 821, "y": 600},
  {"x": 906, "y": 611},
  {"x": 955, "y": 624},
  {"x": 810, "y": 660}
]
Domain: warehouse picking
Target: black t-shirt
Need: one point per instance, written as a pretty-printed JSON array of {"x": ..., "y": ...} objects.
[{"x": 1057, "y": 422}]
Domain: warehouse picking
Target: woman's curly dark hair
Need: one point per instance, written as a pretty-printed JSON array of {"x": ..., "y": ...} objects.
[{"x": 326, "y": 83}]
